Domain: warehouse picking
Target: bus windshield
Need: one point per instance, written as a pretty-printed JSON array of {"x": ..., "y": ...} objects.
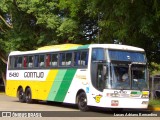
[
  {"x": 127, "y": 56},
  {"x": 128, "y": 76},
  {"x": 119, "y": 70}
]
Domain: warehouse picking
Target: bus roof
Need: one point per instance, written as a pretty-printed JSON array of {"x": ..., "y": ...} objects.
[
  {"x": 118, "y": 47},
  {"x": 64, "y": 47}
]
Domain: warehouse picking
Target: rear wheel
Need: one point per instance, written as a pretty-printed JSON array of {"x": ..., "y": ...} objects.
[
  {"x": 21, "y": 95},
  {"x": 82, "y": 102},
  {"x": 28, "y": 95}
]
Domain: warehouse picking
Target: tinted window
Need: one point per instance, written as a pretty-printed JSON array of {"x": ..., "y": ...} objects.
[
  {"x": 68, "y": 59},
  {"x": 54, "y": 60},
  {"x": 19, "y": 62},
  {"x": 81, "y": 58},
  {"x": 84, "y": 58},
  {"x": 127, "y": 56},
  {"x": 65, "y": 59},
  {"x": 48, "y": 60},
  {"x": 36, "y": 60},
  {"x": 12, "y": 61},
  {"x": 41, "y": 61},
  {"x": 30, "y": 61},
  {"x": 97, "y": 54}
]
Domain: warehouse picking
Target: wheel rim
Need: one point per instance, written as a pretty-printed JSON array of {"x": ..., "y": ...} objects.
[
  {"x": 28, "y": 96},
  {"x": 20, "y": 94}
]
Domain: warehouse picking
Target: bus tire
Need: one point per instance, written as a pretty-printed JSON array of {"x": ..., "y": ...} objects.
[
  {"x": 28, "y": 95},
  {"x": 82, "y": 102},
  {"x": 21, "y": 95}
]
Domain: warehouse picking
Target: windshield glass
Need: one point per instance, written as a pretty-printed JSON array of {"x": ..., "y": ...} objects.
[
  {"x": 131, "y": 56},
  {"x": 128, "y": 76},
  {"x": 139, "y": 77},
  {"x": 120, "y": 76}
]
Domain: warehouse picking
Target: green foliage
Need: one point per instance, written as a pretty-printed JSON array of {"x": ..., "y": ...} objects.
[
  {"x": 131, "y": 22},
  {"x": 154, "y": 103},
  {"x": 28, "y": 24},
  {"x": 67, "y": 29},
  {"x": 155, "y": 69}
]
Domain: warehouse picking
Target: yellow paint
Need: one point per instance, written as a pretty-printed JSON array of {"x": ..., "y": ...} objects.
[
  {"x": 40, "y": 89},
  {"x": 48, "y": 84},
  {"x": 145, "y": 93},
  {"x": 59, "y": 47},
  {"x": 98, "y": 98}
]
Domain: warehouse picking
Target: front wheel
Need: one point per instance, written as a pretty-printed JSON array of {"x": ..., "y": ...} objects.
[{"x": 82, "y": 102}]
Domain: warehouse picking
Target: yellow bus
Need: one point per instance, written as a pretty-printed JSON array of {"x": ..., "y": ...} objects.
[{"x": 102, "y": 75}]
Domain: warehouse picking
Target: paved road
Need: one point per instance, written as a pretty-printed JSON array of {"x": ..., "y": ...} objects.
[{"x": 16, "y": 108}]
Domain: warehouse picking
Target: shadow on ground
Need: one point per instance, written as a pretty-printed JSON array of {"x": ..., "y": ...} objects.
[{"x": 2, "y": 88}]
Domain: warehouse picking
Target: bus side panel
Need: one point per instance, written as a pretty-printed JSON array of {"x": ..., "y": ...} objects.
[
  {"x": 61, "y": 85},
  {"x": 40, "y": 89},
  {"x": 11, "y": 88},
  {"x": 55, "y": 85},
  {"x": 79, "y": 82}
]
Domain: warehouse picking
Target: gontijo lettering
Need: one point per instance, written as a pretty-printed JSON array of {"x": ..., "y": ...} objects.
[{"x": 33, "y": 74}]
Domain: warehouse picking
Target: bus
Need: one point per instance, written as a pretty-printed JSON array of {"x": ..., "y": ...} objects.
[{"x": 102, "y": 75}]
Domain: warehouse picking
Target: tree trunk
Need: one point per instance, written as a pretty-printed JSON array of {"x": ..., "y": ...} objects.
[
  {"x": 3, "y": 74},
  {"x": 4, "y": 79},
  {"x": 3, "y": 57}
]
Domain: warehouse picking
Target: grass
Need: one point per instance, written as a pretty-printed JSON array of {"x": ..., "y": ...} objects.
[{"x": 154, "y": 103}]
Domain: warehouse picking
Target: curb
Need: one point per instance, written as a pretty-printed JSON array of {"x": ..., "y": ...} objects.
[{"x": 154, "y": 108}]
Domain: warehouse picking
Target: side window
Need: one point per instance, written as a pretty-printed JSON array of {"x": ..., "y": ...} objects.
[
  {"x": 36, "y": 60},
  {"x": 30, "y": 61},
  {"x": 25, "y": 61},
  {"x": 41, "y": 61},
  {"x": 48, "y": 60},
  {"x": 84, "y": 58},
  {"x": 54, "y": 60},
  {"x": 77, "y": 58},
  {"x": 68, "y": 59},
  {"x": 81, "y": 58},
  {"x": 12, "y": 61},
  {"x": 97, "y": 54},
  {"x": 65, "y": 59},
  {"x": 19, "y": 62},
  {"x": 62, "y": 59}
]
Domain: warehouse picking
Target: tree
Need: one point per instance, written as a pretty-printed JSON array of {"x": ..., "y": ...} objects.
[
  {"x": 28, "y": 24},
  {"x": 132, "y": 22}
]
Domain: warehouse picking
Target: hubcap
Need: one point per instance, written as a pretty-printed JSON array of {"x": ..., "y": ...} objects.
[{"x": 83, "y": 101}]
